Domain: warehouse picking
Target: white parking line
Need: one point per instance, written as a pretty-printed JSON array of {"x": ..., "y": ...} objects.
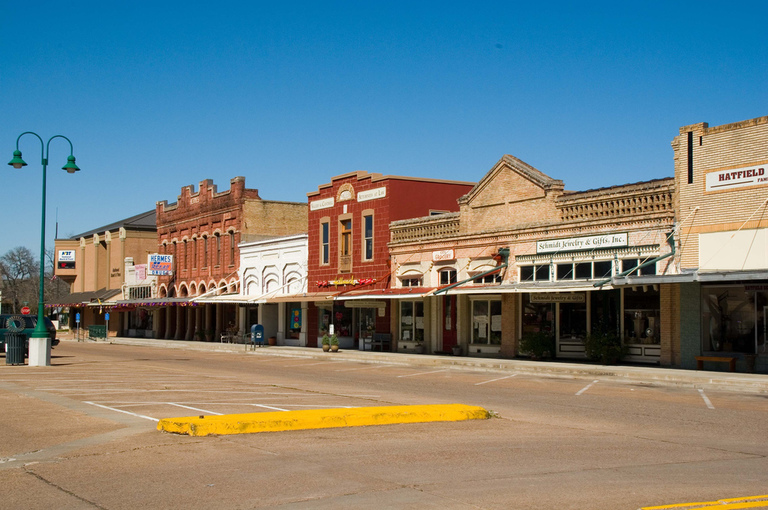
[
  {"x": 193, "y": 408},
  {"x": 305, "y": 364},
  {"x": 423, "y": 373},
  {"x": 706, "y": 400},
  {"x": 121, "y": 411},
  {"x": 267, "y": 407},
  {"x": 494, "y": 380},
  {"x": 362, "y": 368},
  {"x": 585, "y": 388}
]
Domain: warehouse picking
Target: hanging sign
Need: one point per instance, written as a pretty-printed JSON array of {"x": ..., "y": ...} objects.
[{"x": 160, "y": 265}]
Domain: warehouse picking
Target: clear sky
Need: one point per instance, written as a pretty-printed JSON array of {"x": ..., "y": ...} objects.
[{"x": 160, "y": 95}]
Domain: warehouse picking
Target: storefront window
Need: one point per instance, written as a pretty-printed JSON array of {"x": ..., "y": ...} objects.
[
  {"x": 733, "y": 319},
  {"x": 573, "y": 321},
  {"x": 538, "y": 317},
  {"x": 641, "y": 316},
  {"x": 411, "y": 321},
  {"x": 486, "y": 321}
]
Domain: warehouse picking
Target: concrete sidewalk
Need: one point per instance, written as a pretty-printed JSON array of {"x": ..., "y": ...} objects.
[{"x": 634, "y": 374}]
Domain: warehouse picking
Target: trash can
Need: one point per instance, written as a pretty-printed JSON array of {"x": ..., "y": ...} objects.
[{"x": 15, "y": 347}]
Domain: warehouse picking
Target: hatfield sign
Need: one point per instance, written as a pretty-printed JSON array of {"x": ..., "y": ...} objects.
[
  {"x": 737, "y": 178},
  {"x": 582, "y": 243}
]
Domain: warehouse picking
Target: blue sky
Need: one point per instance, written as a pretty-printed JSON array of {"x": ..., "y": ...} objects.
[{"x": 156, "y": 96}]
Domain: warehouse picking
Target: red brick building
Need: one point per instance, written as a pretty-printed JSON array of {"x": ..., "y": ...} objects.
[
  {"x": 201, "y": 231},
  {"x": 349, "y": 266}
]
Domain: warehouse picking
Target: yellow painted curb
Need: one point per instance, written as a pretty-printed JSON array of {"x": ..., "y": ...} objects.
[{"x": 319, "y": 419}]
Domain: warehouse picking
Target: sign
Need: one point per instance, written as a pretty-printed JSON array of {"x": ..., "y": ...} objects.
[
  {"x": 140, "y": 272},
  {"x": 325, "y": 203},
  {"x": 736, "y": 178},
  {"x": 160, "y": 265},
  {"x": 582, "y": 243},
  {"x": 25, "y": 310},
  {"x": 365, "y": 303},
  {"x": 371, "y": 194},
  {"x": 66, "y": 259},
  {"x": 106, "y": 316},
  {"x": 296, "y": 318},
  {"x": 558, "y": 297},
  {"x": 443, "y": 255},
  {"x": 77, "y": 317}
]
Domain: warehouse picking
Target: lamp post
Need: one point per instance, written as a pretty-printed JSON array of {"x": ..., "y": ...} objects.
[{"x": 40, "y": 343}]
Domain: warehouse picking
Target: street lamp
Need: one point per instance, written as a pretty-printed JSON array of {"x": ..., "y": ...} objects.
[{"x": 39, "y": 343}]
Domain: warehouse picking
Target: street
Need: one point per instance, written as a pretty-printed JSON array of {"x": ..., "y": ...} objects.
[{"x": 82, "y": 434}]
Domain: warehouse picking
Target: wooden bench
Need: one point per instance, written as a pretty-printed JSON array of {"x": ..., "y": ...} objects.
[
  {"x": 380, "y": 340},
  {"x": 716, "y": 359}
]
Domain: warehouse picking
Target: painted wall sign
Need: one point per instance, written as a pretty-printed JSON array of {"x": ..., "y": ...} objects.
[
  {"x": 160, "y": 265},
  {"x": 371, "y": 194},
  {"x": 443, "y": 255},
  {"x": 737, "y": 178},
  {"x": 325, "y": 203},
  {"x": 558, "y": 297},
  {"x": 582, "y": 243},
  {"x": 66, "y": 259}
]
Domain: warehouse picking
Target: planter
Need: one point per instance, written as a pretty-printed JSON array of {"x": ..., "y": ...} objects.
[
  {"x": 272, "y": 340},
  {"x": 419, "y": 349},
  {"x": 326, "y": 347},
  {"x": 456, "y": 350},
  {"x": 334, "y": 348}
]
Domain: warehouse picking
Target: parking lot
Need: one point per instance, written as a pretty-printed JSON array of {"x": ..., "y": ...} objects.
[{"x": 82, "y": 434}]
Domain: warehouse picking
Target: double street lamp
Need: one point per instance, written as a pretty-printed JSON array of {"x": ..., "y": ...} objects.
[{"x": 39, "y": 343}]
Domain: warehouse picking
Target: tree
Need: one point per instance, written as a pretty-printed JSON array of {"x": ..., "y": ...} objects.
[{"x": 20, "y": 276}]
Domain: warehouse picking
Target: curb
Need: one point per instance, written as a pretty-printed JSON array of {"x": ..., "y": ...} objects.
[{"x": 319, "y": 419}]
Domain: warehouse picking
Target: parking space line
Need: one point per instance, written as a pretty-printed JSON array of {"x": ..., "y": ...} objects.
[
  {"x": 363, "y": 368},
  {"x": 585, "y": 388},
  {"x": 122, "y": 411},
  {"x": 706, "y": 400},
  {"x": 305, "y": 364},
  {"x": 193, "y": 408},
  {"x": 423, "y": 373},
  {"x": 267, "y": 407},
  {"x": 494, "y": 380}
]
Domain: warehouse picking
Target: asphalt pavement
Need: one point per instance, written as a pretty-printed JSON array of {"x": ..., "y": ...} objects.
[{"x": 634, "y": 374}]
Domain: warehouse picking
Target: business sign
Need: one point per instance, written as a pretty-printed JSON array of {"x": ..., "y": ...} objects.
[
  {"x": 371, "y": 194},
  {"x": 441, "y": 255},
  {"x": 325, "y": 203},
  {"x": 737, "y": 178},
  {"x": 66, "y": 259},
  {"x": 140, "y": 272},
  {"x": 582, "y": 243},
  {"x": 160, "y": 265},
  {"x": 558, "y": 297}
]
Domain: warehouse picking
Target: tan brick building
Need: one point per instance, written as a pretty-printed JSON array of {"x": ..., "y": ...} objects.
[
  {"x": 93, "y": 263},
  {"x": 721, "y": 178},
  {"x": 568, "y": 265}
]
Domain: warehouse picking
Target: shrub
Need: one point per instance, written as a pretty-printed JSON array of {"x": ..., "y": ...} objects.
[
  {"x": 604, "y": 347},
  {"x": 538, "y": 345}
]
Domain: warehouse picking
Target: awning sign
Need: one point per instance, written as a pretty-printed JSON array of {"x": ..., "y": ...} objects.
[
  {"x": 558, "y": 297},
  {"x": 160, "y": 265}
]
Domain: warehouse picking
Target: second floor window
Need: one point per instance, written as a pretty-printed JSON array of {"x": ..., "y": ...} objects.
[
  {"x": 346, "y": 237},
  {"x": 231, "y": 248},
  {"x": 447, "y": 276},
  {"x": 325, "y": 239},
  {"x": 205, "y": 252},
  {"x": 368, "y": 237},
  {"x": 218, "y": 249}
]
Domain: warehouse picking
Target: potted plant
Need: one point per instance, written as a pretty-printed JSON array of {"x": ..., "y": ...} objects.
[
  {"x": 537, "y": 344},
  {"x": 334, "y": 342},
  {"x": 326, "y": 342},
  {"x": 605, "y": 347}
]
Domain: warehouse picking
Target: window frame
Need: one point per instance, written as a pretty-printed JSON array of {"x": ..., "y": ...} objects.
[{"x": 367, "y": 241}]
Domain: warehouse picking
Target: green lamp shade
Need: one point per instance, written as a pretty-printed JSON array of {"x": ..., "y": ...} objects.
[
  {"x": 17, "y": 162},
  {"x": 70, "y": 167}
]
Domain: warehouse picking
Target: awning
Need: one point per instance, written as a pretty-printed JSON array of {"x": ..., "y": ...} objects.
[
  {"x": 152, "y": 302},
  {"x": 304, "y": 296},
  {"x": 99, "y": 297},
  {"x": 397, "y": 293},
  {"x": 225, "y": 299}
]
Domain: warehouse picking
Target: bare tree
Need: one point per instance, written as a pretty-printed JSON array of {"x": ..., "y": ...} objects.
[{"x": 19, "y": 272}]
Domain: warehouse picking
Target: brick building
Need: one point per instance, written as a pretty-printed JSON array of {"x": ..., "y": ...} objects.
[
  {"x": 721, "y": 178},
  {"x": 200, "y": 232},
  {"x": 349, "y": 270},
  {"x": 524, "y": 256},
  {"x": 93, "y": 263}
]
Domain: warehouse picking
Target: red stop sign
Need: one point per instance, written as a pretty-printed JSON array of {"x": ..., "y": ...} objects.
[{"x": 25, "y": 310}]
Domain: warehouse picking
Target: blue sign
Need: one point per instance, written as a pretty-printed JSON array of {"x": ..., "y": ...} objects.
[
  {"x": 106, "y": 316},
  {"x": 77, "y": 317}
]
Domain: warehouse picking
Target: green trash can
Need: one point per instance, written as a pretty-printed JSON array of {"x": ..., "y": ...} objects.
[{"x": 15, "y": 348}]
